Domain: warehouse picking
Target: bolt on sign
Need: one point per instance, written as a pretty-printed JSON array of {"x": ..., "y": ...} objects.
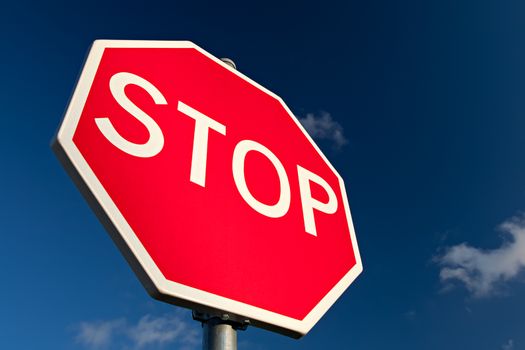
[{"x": 208, "y": 184}]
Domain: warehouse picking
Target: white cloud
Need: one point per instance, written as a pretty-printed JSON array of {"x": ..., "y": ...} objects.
[
  {"x": 147, "y": 332},
  {"x": 508, "y": 345},
  {"x": 482, "y": 272},
  {"x": 323, "y": 127},
  {"x": 162, "y": 330},
  {"x": 97, "y": 335}
]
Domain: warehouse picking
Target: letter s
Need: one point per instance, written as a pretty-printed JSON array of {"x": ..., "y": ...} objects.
[{"x": 153, "y": 146}]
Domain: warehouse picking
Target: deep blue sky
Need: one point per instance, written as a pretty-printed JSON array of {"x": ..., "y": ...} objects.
[{"x": 430, "y": 96}]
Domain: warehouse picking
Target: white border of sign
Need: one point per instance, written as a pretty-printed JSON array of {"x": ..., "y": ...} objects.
[{"x": 149, "y": 274}]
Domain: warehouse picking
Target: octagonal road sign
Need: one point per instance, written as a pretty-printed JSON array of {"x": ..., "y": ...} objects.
[{"x": 208, "y": 184}]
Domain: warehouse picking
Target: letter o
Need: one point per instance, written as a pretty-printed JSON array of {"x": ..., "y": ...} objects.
[{"x": 239, "y": 154}]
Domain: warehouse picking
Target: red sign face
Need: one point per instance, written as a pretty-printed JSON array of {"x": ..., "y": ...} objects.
[{"x": 209, "y": 185}]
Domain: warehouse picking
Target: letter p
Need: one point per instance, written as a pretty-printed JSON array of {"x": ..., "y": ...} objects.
[{"x": 309, "y": 203}]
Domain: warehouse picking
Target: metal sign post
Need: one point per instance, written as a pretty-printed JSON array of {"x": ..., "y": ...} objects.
[
  {"x": 219, "y": 332},
  {"x": 219, "y": 336}
]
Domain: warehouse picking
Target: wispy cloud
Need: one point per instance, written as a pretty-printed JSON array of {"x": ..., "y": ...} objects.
[
  {"x": 323, "y": 127},
  {"x": 483, "y": 272},
  {"x": 162, "y": 330},
  {"x": 98, "y": 335},
  {"x": 508, "y": 345},
  {"x": 148, "y": 331}
]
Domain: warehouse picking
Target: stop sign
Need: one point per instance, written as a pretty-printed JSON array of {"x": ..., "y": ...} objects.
[{"x": 211, "y": 188}]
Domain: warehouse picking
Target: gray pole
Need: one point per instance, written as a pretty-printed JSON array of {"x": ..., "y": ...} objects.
[
  {"x": 219, "y": 332},
  {"x": 229, "y": 62},
  {"x": 218, "y": 335}
]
